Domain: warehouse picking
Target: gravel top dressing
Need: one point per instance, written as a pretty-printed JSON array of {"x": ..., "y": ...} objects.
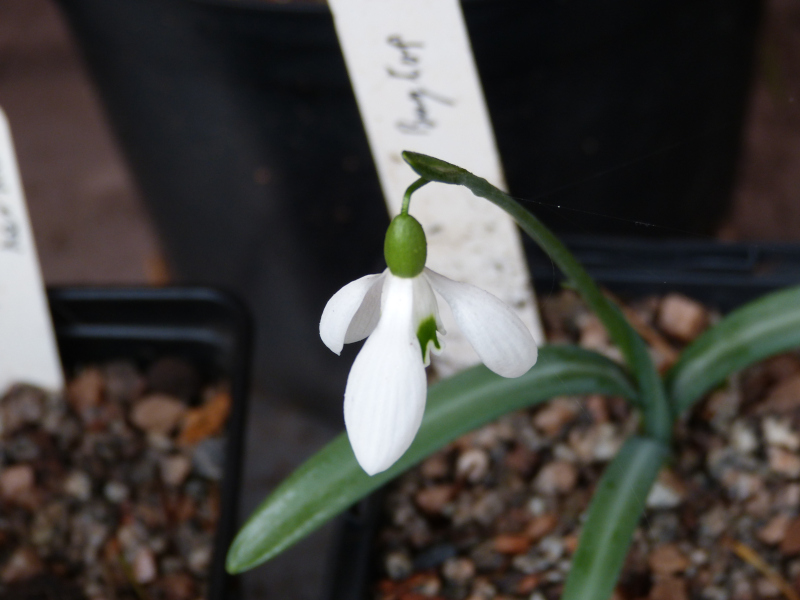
[
  {"x": 497, "y": 513},
  {"x": 111, "y": 491}
]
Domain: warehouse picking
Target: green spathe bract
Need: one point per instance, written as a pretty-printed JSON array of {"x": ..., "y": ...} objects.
[{"x": 405, "y": 247}]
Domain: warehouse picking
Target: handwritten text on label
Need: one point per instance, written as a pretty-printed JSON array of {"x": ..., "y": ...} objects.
[
  {"x": 409, "y": 69},
  {"x": 9, "y": 228}
]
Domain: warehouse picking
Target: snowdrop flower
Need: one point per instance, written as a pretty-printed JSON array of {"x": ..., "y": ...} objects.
[{"x": 398, "y": 314}]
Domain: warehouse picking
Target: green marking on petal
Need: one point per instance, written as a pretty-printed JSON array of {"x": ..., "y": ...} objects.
[{"x": 426, "y": 334}]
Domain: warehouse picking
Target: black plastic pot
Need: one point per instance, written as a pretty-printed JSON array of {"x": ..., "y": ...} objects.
[
  {"x": 242, "y": 130},
  {"x": 719, "y": 275},
  {"x": 206, "y": 327}
]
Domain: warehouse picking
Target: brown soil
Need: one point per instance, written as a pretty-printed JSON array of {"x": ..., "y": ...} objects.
[{"x": 497, "y": 514}]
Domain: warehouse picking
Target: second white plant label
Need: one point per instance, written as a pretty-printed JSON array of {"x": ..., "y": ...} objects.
[{"x": 28, "y": 352}]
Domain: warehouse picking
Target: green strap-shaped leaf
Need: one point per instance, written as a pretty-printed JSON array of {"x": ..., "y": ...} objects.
[
  {"x": 331, "y": 480},
  {"x": 751, "y": 333},
  {"x": 614, "y": 513},
  {"x": 657, "y": 418}
]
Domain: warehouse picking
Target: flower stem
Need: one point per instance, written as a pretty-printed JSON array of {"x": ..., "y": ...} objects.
[
  {"x": 657, "y": 417},
  {"x": 411, "y": 189}
]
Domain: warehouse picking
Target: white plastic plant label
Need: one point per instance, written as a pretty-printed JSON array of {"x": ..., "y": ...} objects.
[
  {"x": 28, "y": 351},
  {"x": 414, "y": 77}
]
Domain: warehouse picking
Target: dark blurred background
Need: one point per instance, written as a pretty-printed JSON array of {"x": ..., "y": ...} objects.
[{"x": 92, "y": 226}]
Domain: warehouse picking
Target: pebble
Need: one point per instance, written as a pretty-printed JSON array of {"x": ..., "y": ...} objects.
[
  {"x": 775, "y": 530},
  {"x": 425, "y": 584},
  {"x": 435, "y": 467},
  {"x": 78, "y": 485},
  {"x": 528, "y": 584},
  {"x": 722, "y": 408},
  {"x": 790, "y": 545},
  {"x": 667, "y": 559},
  {"x": 743, "y": 438},
  {"x": 398, "y": 565},
  {"x": 551, "y": 548},
  {"x": 123, "y": 382},
  {"x": 487, "y": 507},
  {"x": 713, "y": 522},
  {"x": 432, "y": 499},
  {"x": 85, "y": 391},
  {"x": 486, "y": 558},
  {"x": 434, "y": 556},
  {"x": 698, "y": 556},
  {"x": 48, "y": 525},
  {"x": 530, "y": 564},
  {"x": 598, "y": 443},
  {"x": 597, "y": 407},
  {"x": 199, "y": 559},
  {"x": 741, "y": 588},
  {"x": 158, "y": 544},
  {"x": 664, "y": 496},
  {"x": 714, "y": 592},
  {"x": 766, "y": 588},
  {"x": 593, "y": 334},
  {"x": 473, "y": 465},
  {"x": 490, "y": 435},
  {"x": 160, "y": 442},
  {"x": 784, "y": 397},
  {"x": 564, "y": 453},
  {"x": 788, "y": 497},
  {"x": 23, "y": 449},
  {"x": 175, "y": 469},
  {"x": 760, "y": 505},
  {"x": 681, "y": 317},
  {"x": 206, "y": 420},
  {"x": 16, "y": 482},
  {"x": 558, "y": 477},
  {"x": 22, "y": 404},
  {"x": 68, "y": 432},
  {"x": 669, "y": 588},
  {"x": 778, "y": 431},
  {"x": 458, "y": 570},
  {"x": 208, "y": 458},
  {"x": 178, "y": 586},
  {"x": 793, "y": 569},
  {"x": 740, "y": 485},
  {"x": 521, "y": 460},
  {"x": 157, "y": 413},
  {"x": 144, "y": 566},
  {"x": 552, "y": 417},
  {"x": 171, "y": 564},
  {"x": 512, "y": 543},
  {"x": 23, "y": 564},
  {"x": 541, "y": 525},
  {"x": 116, "y": 492},
  {"x": 783, "y": 462}
]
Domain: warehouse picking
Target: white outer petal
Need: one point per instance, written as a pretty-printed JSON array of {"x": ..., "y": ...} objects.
[
  {"x": 498, "y": 335},
  {"x": 352, "y": 313},
  {"x": 385, "y": 396}
]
